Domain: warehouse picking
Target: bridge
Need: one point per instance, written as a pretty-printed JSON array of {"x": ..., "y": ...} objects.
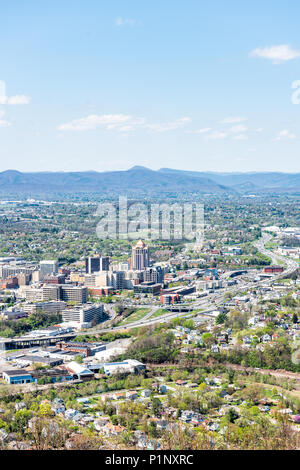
[{"x": 178, "y": 307}]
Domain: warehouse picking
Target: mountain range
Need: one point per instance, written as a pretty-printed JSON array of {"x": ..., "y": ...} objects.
[{"x": 139, "y": 181}]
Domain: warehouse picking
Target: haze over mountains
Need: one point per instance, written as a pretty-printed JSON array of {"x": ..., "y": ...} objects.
[
  {"x": 250, "y": 181},
  {"x": 143, "y": 181}
]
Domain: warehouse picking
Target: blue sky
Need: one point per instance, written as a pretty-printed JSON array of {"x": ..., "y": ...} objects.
[{"x": 194, "y": 84}]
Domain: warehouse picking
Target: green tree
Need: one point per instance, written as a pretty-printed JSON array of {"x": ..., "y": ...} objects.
[{"x": 79, "y": 359}]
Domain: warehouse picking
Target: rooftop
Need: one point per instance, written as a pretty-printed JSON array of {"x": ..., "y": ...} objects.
[{"x": 15, "y": 372}]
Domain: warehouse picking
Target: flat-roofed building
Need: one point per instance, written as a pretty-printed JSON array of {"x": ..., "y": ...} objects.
[
  {"x": 23, "y": 279},
  {"x": 9, "y": 270},
  {"x": 147, "y": 288},
  {"x": 77, "y": 277},
  {"x": 54, "y": 279},
  {"x": 32, "y": 359},
  {"x": 48, "y": 267},
  {"x": 74, "y": 293},
  {"x": 84, "y": 313},
  {"x": 66, "y": 292},
  {"x": 18, "y": 376},
  {"x": 51, "y": 306},
  {"x": 127, "y": 366},
  {"x": 13, "y": 313},
  {"x": 33, "y": 295},
  {"x": 113, "y": 279},
  {"x": 80, "y": 348},
  {"x": 51, "y": 292},
  {"x": 96, "y": 264}
]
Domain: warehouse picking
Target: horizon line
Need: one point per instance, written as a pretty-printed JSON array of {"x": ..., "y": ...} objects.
[{"x": 136, "y": 167}]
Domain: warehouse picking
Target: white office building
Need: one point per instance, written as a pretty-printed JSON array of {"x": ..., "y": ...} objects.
[
  {"x": 48, "y": 267},
  {"x": 84, "y": 314}
]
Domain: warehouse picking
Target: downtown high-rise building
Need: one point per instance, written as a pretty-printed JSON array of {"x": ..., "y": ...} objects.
[
  {"x": 140, "y": 256},
  {"x": 95, "y": 264},
  {"x": 48, "y": 267},
  {"x": 66, "y": 292}
]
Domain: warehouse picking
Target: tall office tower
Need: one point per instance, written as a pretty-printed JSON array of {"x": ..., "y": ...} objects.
[
  {"x": 140, "y": 256},
  {"x": 48, "y": 267},
  {"x": 96, "y": 263},
  {"x": 155, "y": 275},
  {"x": 117, "y": 279}
]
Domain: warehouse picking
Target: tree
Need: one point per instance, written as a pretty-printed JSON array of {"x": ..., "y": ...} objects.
[
  {"x": 114, "y": 419},
  {"x": 188, "y": 324},
  {"x": 152, "y": 429},
  {"x": 221, "y": 318},
  {"x": 79, "y": 359},
  {"x": 156, "y": 407},
  {"x": 253, "y": 393},
  {"x": 45, "y": 410},
  {"x": 232, "y": 415},
  {"x": 208, "y": 339},
  {"x": 19, "y": 424}
]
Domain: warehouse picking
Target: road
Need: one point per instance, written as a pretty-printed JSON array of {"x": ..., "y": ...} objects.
[{"x": 209, "y": 304}]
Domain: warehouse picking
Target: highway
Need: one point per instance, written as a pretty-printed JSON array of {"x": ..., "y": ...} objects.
[
  {"x": 211, "y": 302},
  {"x": 208, "y": 304}
]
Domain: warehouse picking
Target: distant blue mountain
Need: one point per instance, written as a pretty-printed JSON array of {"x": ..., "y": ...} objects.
[
  {"x": 141, "y": 181},
  {"x": 138, "y": 180},
  {"x": 245, "y": 182}
]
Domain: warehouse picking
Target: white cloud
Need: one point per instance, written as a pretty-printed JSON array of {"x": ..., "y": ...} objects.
[
  {"x": 233, "y": 120},
  {"x": 168, "y": 126},
  {"x": 260, "y": 129},
  {"x": 285, "y": 134},
  {"x": 240, "y": 137},
  {"x": 217, "y": 135},
  {"x": 18, "y": 99},
  {"x": 4, "y": 123},
  {"x": 120, "y": 21},
  {"x": 126, "y": 128},
  {"x": 109, "y": 121},
  {"x": 204, "y": 130},
  {"x": 238, "y": 129},
  {"x": 13, "y": 100},
  {"x": 120, "y": 123},
  {"x": 184, "y": 119},
  {"x": 277, "y": 54}
]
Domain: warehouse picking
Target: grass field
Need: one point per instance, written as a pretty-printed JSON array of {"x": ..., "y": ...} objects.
[
  {"x": 271, "y": 245},
  {"x": 135, "y": 316},
  {"x": 159, "y": 313}
]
